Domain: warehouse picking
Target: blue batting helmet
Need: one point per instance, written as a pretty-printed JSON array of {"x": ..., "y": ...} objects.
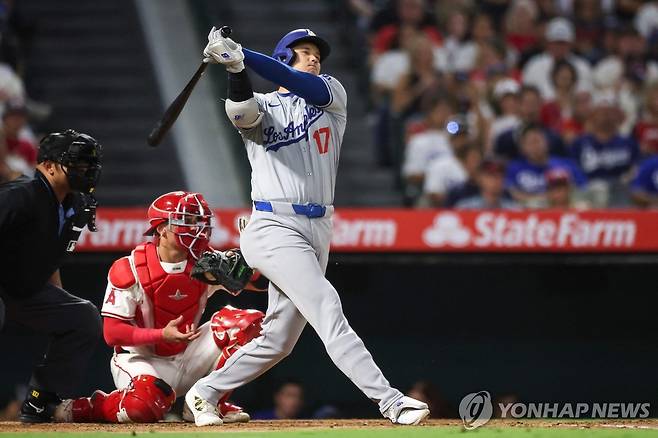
[{"x": 283, "y": 50}]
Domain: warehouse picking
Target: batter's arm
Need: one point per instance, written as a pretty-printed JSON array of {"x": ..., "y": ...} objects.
[
  {"x": 241, "y": 106},
  {"x": 306, "y": 85}
]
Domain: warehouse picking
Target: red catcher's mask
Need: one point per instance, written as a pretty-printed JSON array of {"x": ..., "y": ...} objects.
[{"x": 187, "y": 215}]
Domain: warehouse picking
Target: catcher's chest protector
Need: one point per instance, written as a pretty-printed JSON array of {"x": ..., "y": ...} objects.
[{"x": 171, "y": 295}]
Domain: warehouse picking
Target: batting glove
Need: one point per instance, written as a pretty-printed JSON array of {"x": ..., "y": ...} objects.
[{"x": 220, "y": 50}]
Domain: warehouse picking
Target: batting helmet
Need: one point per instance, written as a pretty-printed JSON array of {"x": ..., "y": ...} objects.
[{"x": 283, "y": 50}]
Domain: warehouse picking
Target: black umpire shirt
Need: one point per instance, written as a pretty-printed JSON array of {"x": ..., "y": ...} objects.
[{"x": 34, "y": 235}]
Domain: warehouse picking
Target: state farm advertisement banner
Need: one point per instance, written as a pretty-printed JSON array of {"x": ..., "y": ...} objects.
[{"x": 401, "y": 230}]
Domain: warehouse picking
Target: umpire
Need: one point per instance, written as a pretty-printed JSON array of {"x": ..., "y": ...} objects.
[{"x": 40, "y": 221}]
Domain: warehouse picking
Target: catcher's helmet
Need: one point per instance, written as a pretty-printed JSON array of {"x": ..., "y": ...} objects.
[
  {"x": 188, "y": 216},
  {"x": 80, "y": 153},
  {"x": 283, "y": 50}
]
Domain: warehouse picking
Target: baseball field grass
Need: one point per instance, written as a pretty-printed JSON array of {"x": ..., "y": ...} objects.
[{"x": 343, "y": 429}]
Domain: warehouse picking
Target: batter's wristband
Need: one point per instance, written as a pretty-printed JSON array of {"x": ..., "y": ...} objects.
[{"x": 239, "y": 87}]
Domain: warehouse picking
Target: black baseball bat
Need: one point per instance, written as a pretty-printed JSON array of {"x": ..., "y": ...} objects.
[{"x": 171, "y": 114}]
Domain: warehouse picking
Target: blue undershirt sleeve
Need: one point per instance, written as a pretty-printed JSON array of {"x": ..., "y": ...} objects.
[{"x": 305, "y": 85}]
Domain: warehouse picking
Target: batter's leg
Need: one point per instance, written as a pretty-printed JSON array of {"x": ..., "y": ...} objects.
[
  {"x": 285, "y": 257},
  {"x": 302, "y": 279},
  {"x": 282, "y": 326}
]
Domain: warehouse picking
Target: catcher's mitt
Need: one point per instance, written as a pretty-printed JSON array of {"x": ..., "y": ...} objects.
[{"x": 228, "y": 269}]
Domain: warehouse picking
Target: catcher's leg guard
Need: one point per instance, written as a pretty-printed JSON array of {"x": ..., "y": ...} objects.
[
  {"x": 84, "y": 409},
  {"x": 233, "y": 328},
  {"x": 146, "y": 400}
]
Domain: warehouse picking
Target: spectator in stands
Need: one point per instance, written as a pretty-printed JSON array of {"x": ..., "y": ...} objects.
[
  {"x": 520, "y": 26},
  {"x": 11, "y": 86},
  {"x": 288, "y": 403},
  {"x": 451, "y": 171},
  {"x": 559, "y": 41},
  {"x": 393, "y": 64},
  {"x": 506, "y": 106},
  {"x": 646, "y": 19},
  {"x": 601, "y": 151},
  {"x": 491, "y": 192},
  {"x": 409, "y": 14},
  {"x": 457, "y": 53},
  {"x": 6, "y": 172},
  {"x": 589, "y": 24},
  {"x": 14, "y": 120},
  {"x": 644, "y": 187},
  {"x": 625, "y": 72},
  {"x": 566, "y": 113},
  {"x": 422, "y": 80},
  {"x": 646, "y": 130},
  {"x": 560, "y": 190},
  {"x": 429, "y": 144},
  {"x": 506, "y": 145},
  {"x": 526, "y": 177},
  {"x": 563, "y": 77}
]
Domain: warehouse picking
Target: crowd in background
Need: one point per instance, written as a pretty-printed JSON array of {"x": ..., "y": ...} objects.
[
  {"x": 516, "y": 103},
  {"x": 18, "y": 141}
]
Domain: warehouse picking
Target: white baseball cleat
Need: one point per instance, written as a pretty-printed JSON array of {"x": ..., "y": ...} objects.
[
  {"x": 229, "y": 412},
  {"x": 407, "y": 411},
  {"x": 203, "y": 412}
]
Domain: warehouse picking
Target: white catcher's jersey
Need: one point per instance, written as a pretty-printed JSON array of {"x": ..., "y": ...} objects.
[
  {"x": 294, "y": 151},
  {"x": 134, "y": 306}
]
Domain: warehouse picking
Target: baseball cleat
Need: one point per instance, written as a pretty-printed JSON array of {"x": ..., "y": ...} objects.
[
  {"x": 38, "y": 406},
  {"x": 407, "y": 411},
  {"x": 232, "y": 413},
  {"x": 203, "y": 412},
  {"x": 229, "y": 412}
]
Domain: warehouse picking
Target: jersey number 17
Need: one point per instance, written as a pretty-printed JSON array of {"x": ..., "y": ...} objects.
[{"x": 321, "y": 137}]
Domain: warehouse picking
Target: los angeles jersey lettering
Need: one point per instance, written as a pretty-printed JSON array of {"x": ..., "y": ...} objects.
[{"x": 294, "y": 151}]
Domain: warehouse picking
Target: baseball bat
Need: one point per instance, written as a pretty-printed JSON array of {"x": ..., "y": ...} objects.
[{"x": 173, "y": 110}]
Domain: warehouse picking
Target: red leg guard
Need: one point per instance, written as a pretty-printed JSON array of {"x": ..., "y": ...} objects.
[
  {"x": 146, "y": 400},
  {"x": 232, "y": 326}
]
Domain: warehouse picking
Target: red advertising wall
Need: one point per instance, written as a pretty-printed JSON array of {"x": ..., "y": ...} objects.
[{"x": 403, "y": 230}]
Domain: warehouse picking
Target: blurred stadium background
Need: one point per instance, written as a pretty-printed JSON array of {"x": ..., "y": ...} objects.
[{"x": 545, "y": 111}]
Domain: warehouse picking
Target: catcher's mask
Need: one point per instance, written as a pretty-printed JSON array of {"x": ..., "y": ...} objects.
[
  {"x": 187, "y": 215},
  {"x": 79, "y": 154}
]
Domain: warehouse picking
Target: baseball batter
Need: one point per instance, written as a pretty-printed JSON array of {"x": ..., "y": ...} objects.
[
  {"x": 151, "y": 309},
  {"x": 293, "y": 138}
]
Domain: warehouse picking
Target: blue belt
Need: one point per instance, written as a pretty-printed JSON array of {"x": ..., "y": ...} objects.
[{"x": 309, "y": 210}]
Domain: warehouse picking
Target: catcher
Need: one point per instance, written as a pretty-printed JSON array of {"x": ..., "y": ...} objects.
[{"x": 153, "y": 303}]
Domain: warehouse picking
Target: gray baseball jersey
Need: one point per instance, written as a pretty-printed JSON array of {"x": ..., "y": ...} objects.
[
  {"x": 294, "y": 157},
  {"x": 294, "y": 151}
]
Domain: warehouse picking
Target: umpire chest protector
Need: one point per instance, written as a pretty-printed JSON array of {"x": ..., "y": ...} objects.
[{"x": 170, "y": 295}]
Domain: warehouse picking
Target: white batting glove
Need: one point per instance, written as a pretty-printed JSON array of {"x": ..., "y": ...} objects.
[{"x": 220, "y": 50}]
